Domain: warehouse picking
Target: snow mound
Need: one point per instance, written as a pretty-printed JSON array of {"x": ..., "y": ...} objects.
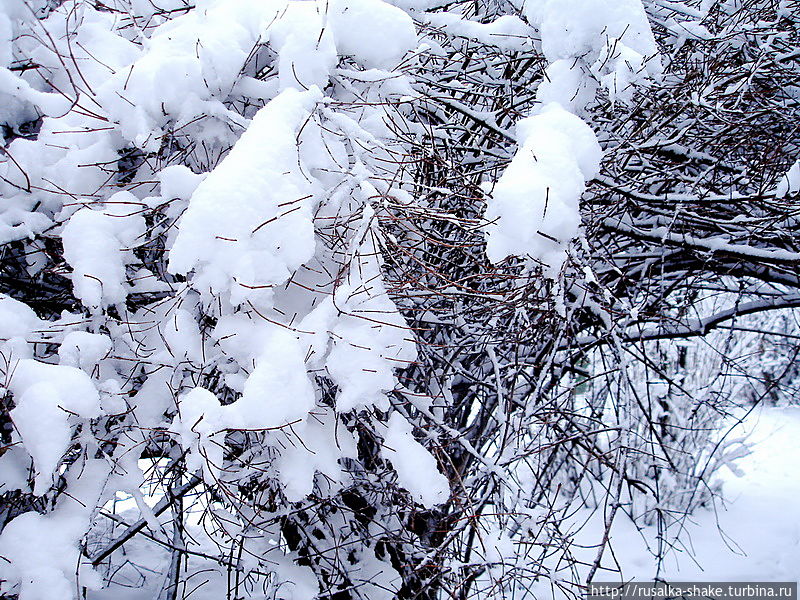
[
  {"x": 97, "y": 245},
  {"x": 416, "y": 468},
  {"x": 46, "y": 396},
  {"x": 375, "y": 33},
  {"x": 234, "y": 233},
  {"x": 533, "y": 210}
]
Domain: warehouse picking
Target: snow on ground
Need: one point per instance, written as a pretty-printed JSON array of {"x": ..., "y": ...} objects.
[{"x": 754, "y": 535}]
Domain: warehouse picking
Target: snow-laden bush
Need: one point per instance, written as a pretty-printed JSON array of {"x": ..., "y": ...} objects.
[{"x": 356, "y": 298}]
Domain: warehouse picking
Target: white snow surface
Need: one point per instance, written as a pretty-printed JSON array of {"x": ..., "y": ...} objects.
[
  {"x": 375, "y": 33},
  {"x": 359, "y": 335},
  {"x": 98, "y": 244},
  {"x": 755, "y": 534},
  {"x": 508, "y": 32},
  {"x": 42, "y": 552},
  {"x": 790, "y": 182},
  {"x": 416, "y": 468},
  {"x": 234, "y": 232},
  {"x": 46, "y": 395},
  {"x": 612, "y": 37},
  {"x": 277, "y": 394},
  {"x": 533, "y": 209},
  {"x": 17, "y": 319}
]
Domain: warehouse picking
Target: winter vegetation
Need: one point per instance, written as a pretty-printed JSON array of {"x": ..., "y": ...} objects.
[{"x": 376, "y": 299}]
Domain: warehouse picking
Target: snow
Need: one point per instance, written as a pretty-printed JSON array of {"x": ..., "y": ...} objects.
[
  {"x": 45, "y": 395},
  {"x": 533, "y": 209},
  {"x": 51, "y": 104},
  {"x": 507, "y": 32},
  {"x": 378, "y": 577},
  {"x": 178, "y": 181},
  {"x": 263, "y": 161},
  {"x": 296, "y": 582},
  {"x": 364, "y": 335},
  {"x": 417, "y": 471},
  {"x": 790, "y": 182},
  {"x": 567, "y": 83},
  {"x": 18, "y": 98},
  {"x": 44, "y": 430},
  {"x": 98, "y": 244},
  {"x": 755, "y": 534},
  {"x": 6, "y": 35},
  {"x": 192, "y": 62},
  {"x": 323, "y": 445},
  {"x": 17, "y": 319},
  {"x": 570, "y": 28},
  {"x": 232, "y": 234},
  {"x": 84, "y": 350},
  {"x": 43, "y": 555},
  {"x": 182, "y": 336},
  {"x": 373, "y": 32},
  {"x": 306, "y": 49},
  {"x": 198, "y": 424},
  {"x": 67, "y": 155},
  {"x": 608, "y": 41},
  {"x": 75, "y": 391},
  {"x": 499, "y": 547},
  {"x": 188, "y": 63},
  {"x": 619, "y": 68},
  {"x": 42, "y": 552},
  {"x": 276, "y": 394}
]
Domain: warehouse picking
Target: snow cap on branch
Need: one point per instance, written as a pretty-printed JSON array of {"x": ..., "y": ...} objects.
[{"x": 533, "y": 209}]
